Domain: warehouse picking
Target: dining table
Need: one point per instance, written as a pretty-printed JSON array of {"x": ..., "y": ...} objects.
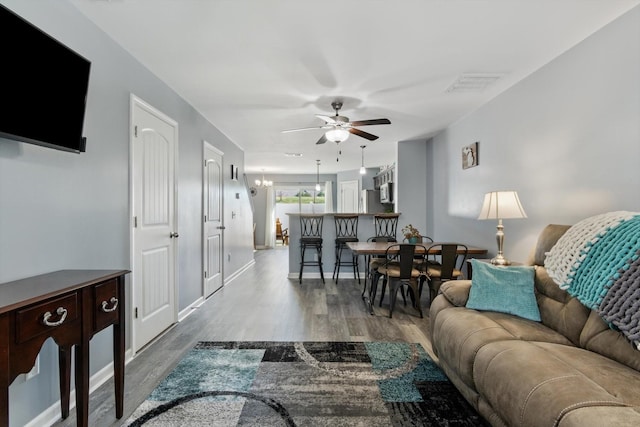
[{"x": 382, "y": 248}]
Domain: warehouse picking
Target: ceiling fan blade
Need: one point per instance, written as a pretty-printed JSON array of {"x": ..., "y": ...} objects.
[
  {"x": 322, "y": 139},
  {"x": 363, "y": 134},
  {"x": 311, "y": 128},
  {"x": 371, "y": 122},
  {"x": 327, "y": 119}
]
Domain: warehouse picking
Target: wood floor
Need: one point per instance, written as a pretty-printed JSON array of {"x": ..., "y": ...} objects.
[{"x": 262, "y": 305}]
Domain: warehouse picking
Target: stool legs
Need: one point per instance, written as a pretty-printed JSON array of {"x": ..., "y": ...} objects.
[
  {"x": 318, "y": 247},
  {"x": 339, "y": 263}
]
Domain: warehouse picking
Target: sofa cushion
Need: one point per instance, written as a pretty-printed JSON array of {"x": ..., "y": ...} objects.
[
  {"x": 599, "y": 337},
  {"x": 539, "y": 383},
  {"x": 503, "y": 289},
  {"x": 559, "y": 310},
  {"x": 458, "y": 334}
]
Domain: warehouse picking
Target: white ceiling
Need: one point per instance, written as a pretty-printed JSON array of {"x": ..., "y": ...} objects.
[{"x": 256, "y": 67}]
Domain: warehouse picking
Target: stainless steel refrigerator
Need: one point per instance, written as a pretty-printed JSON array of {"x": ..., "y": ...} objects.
[{"x": 370, "y": 202}]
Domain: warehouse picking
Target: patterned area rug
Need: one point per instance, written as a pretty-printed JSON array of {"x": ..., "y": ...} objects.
[{"x": 305, "y": 384}]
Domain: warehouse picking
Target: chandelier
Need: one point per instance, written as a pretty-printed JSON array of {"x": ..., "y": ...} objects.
[{"x": 264, "y": 182}]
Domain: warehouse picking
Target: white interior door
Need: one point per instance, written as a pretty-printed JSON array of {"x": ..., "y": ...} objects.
[
  {"x": 212, "y": 219},
  {"x": 154, "y": 138},
  {"x": 349, "y": 196}
]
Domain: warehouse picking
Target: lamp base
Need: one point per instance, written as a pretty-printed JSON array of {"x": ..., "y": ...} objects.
[{"x": 500, "y": 260}]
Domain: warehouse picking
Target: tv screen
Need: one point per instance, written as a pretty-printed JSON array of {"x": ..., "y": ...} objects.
[{"x": 43, "y": 87}]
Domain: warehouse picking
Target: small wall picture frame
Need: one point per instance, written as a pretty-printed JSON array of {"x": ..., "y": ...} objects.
[{"x": 470, "y": 156}]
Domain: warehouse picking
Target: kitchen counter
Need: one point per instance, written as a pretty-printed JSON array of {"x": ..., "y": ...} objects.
[{"x": 366, "y": 229}]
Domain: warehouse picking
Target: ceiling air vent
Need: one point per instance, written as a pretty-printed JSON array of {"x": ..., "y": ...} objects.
[{"x": 473, "y": 82}]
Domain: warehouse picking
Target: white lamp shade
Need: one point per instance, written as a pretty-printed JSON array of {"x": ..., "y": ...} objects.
[
  {"x": 337, "y": 135},
  {"x": 501, "y": 205}
]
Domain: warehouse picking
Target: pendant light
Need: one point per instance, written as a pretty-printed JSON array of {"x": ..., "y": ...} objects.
[
  {"x": 317, "y": 175},
  {"x": 363, "y": 171}
]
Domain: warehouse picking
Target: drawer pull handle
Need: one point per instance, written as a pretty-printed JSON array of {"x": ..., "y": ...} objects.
[
  {"x": 113, "y": 301},
  {"x": 62, "y": 312}
]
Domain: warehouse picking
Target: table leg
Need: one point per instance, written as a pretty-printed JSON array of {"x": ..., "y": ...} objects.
[
  {"x": 82, "y": 384},
  {"x": 4, "y": 371},
  {"x": 64, "y": 368},
  {"x": 118, "y": 352},
  {"x": 366, "y": 292}
]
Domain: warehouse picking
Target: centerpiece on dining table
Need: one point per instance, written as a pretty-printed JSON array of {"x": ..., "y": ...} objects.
[{"x": 411, "y": 234}]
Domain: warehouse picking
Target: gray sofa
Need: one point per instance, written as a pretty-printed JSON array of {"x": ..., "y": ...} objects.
[{"x": 570, "y": 369}]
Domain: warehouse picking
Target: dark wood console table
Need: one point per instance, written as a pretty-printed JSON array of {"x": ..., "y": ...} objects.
[{"x": 70, "y": 306}]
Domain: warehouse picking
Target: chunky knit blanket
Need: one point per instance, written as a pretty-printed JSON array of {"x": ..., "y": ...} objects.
[{"x": 598, "y": 261}]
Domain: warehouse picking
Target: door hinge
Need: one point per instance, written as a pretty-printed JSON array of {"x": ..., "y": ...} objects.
[
  {"x": 135, "y": 222},
  {"x": 205, "y": 274},
  {"x": 135, "y": 131},
  {"x": 135, "y": 312}
]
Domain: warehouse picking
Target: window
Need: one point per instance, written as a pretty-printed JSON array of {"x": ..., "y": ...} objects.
[{"x": 297, "y": 199}]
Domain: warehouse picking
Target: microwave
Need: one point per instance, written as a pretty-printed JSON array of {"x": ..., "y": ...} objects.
[{"x": 386, "y": 192}]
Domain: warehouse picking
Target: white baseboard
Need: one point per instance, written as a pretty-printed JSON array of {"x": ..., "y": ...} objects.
[
  {"x": 190, "y": 309},
  {"x": 238, "y": 272}
]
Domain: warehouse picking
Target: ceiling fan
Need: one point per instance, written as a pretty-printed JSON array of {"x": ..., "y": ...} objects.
[{"x": 340, "y": 127}]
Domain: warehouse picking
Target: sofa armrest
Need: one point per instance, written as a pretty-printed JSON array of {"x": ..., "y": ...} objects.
[{"x": 456, "y": 291}]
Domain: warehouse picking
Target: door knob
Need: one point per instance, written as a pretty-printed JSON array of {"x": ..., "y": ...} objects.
[
  {"x": 172, "y": 235},
  {"x": 222, "y": 227}
]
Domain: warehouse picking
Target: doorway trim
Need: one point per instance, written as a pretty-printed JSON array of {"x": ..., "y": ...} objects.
[
  {"x": 139, "y": 102},
  {"x": 207, "y": 146}
]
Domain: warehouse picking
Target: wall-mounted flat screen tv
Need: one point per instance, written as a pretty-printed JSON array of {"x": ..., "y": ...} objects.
[{"x": 43, "y": 87}]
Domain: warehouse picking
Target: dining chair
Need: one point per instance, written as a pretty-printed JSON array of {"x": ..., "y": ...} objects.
[
  {"x": 419, "y": 262},
  {"x": 399, "y": 272},
  {"x": 281, "y": 234},
  {"x": 372, "y": 263},
  {"x": 346, "y": 231},
  {"x": 452, "y": 257},
  {"x": 311, "y": 237}
]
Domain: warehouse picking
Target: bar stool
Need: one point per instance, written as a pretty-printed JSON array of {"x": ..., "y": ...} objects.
[
  {"x": 311, "y": 236},
  {"x": 386, "y": 224},
  {"x": 346, "y": 231}
]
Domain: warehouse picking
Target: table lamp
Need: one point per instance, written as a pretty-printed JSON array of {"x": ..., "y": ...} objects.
[{"x": 501, "y": 205}]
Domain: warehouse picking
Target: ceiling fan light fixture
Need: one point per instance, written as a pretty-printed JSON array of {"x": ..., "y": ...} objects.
[
  {"x": 363, "y": 171},
  {"x": 337, "y": 135}
]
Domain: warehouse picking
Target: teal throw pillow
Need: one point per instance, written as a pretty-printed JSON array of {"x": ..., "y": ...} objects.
[{"x": 504, "y": 289}]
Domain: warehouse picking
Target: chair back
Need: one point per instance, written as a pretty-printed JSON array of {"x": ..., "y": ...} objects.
[
  {"x": 311, "y": 226},
  {"x": 404, "y": 258},
  {"x": 451, "y": 256},
  {"x": 346, "y": 226},
  {"x": 386, "y": 225}
]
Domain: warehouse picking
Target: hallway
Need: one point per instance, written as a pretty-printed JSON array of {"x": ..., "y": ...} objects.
[{"x": 261, "y": 305}]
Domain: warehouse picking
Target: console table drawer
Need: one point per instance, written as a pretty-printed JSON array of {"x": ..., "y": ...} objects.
[
  {"x": 43, "y": 318},
  {"x": 106, "y": 303}
]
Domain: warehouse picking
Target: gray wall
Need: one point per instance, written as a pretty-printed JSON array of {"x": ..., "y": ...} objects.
[
  {"x": 410, "y": 189},
  {"x": 61, "y": 210},
  {"x": 567, "y": 138}
]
